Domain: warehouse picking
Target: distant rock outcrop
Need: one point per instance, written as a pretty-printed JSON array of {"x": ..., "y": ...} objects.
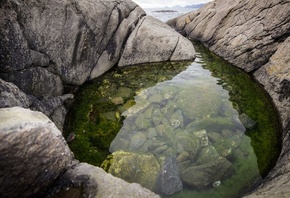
[{"x": 254, "y": 36}]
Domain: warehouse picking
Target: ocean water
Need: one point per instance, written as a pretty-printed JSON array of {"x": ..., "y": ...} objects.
[{"x": 164, "y": 14}]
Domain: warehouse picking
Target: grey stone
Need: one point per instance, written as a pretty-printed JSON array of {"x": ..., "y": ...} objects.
[
  {"x": 168, "y": 181},
  {"x": 153, "y": 41},
  {"x": 137, "y": 141},
  {"x": 33, "y": 153},
  {"x": 11, "y": 95},
  {"x": 206, "y": 174}
]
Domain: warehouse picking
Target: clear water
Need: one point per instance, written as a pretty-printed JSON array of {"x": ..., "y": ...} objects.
[{"x": 201, "y": 129}]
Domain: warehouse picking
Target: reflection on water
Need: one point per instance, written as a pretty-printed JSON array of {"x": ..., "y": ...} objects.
[{"x": 177, "y": 129}]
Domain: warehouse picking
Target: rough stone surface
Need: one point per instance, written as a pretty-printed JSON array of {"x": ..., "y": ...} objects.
[
  {"x": 33, "y": 153},
  {"x": 255, "y": 36},
  {"x": 153, "y": 41},
  {"x": 246, "y": 33},
  {"x": 11, "y": 96},
  {"x": 98, "y": 184},
  {"x": 46, "y": 45},
  {"x": 168, "y": 179}
]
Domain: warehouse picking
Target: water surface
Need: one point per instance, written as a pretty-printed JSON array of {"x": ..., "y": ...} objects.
[{"x": 201, "y": 129}]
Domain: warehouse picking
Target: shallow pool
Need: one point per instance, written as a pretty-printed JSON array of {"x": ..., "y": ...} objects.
[{"x": 200, "y": 129}]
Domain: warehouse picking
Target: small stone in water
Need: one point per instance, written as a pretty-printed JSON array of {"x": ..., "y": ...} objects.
[
  {"x": 216, "y": 184},
  {"x": 118, "y": 100}
]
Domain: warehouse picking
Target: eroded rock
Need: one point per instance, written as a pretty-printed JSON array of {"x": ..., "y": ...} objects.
[{"x": 34, "y": 154}]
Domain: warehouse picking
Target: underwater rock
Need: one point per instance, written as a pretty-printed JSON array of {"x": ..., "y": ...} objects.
[
  {"x": 183, "y": 141},
  {"x": 177, "y": 119},
  {"x": 206, "y": 155},
  {"x": 142, "y": 122},
  {"x": 118, "y": 100},
  {"x": 168, "y": 181},
  {"x": 203, "y": 175},
  {"x": 225, "y": 147},
  {"x": 247, "y": 121},
  {"x": 166, "y": 133},
  {"x": 137, "y": 141},
  {"x": 124, "y": 92},
  {"x": 200, "y": 103},
  {"x": 132, "y": 167},
  {"x": 203, "y": 137}
]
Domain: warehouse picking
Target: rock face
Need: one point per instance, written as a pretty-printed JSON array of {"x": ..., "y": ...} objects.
[
  {"x": 33, "y": 153},
  {"x": 152, "y": 41},
  {"x": 255, "y": 36},
  {"x": 48, "y": 45}
]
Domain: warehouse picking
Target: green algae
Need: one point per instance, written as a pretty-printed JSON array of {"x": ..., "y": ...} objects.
[{"x": 95, "y": 119}]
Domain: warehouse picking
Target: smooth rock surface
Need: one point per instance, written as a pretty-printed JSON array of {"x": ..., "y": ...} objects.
[
  {"x": 33, "y": 153},
  {"x": 154, "y": 41}
]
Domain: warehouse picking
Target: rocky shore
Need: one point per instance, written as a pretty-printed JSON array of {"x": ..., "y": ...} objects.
[
  {"x": 49, "y": 48},
  {"x": 254, "y": 36}
]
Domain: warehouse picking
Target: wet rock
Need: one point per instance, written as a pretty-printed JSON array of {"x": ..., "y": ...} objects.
[
  {"x": 137, "y": 141},
  {"x": 206, "y": 155},
  {"x": 177, "y": 120},
  {"x": 168, "y": 181},
  {"x": 166, "y": 133},
  {"x": 142, "y": 122},
  {"x": 140, "y": 168},
  {"x": 203, "y": 137},
  {"x": 33, "y": 152},
  {"x": 118, "y": 100},
  {"x": 247, "y": 121},
  {"x": 203, "y": 175},
  {"x": 202, "y": 103},
  {"x": 156, "y": 98},
  {"x": 124, "y": 92},
  {"x": 188, "y": 143},
  {"x": 151, "y": 133},
  {"x": 214, "y": 137}
]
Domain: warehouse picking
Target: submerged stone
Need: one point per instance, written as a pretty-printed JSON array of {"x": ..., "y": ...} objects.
[
  {"x": 168, "y": 181},
  {"x": 132, "y": 167},
  {"x": 203, "y": 175}
]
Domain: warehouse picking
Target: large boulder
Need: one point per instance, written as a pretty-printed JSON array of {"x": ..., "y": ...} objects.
[
  {"x": 153, "y": 41},
  {"x": 47, "y": 45},
  {"x": 255, "y": 36},
  {"x": 33, "y": 153}
]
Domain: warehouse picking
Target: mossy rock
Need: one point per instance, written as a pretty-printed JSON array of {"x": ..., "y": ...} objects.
[{"x": 133, "y": 167}]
